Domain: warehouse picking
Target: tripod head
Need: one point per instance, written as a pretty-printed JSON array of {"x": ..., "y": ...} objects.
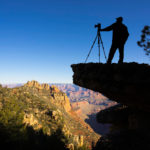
[{"x": 98, "y": 26}]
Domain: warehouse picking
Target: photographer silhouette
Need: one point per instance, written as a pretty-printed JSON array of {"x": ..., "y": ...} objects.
[{"x": 120, "y": 36}]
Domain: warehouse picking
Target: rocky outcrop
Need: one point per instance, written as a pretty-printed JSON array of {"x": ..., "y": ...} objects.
[
  {"x": 34, "y": 83},
  {"x": 31, "y": 120},
  {"x": 115, "y": 114},
  {"x": 54, "y": 89},
  {"x": 59, "y": 98},
  {"x": 127, "y": 84}
]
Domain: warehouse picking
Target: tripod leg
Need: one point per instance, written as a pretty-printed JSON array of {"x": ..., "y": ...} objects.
[
  {"x": 99, "y": 47},
  {"x": 102, "y": 46},
  {"x": 90, "y": 49}
]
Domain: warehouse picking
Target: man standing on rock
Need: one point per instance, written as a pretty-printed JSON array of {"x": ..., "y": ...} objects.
[{"x": 120, "y": 36}]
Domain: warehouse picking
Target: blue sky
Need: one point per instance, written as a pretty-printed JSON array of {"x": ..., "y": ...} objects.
[{"x": 40, "y": 39}]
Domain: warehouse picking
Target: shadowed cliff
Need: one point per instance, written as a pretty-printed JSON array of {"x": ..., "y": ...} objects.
[{"x": 126, "y": 83}]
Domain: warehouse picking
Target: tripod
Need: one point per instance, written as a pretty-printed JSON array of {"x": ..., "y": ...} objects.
[{"x": 98, "y": 36}]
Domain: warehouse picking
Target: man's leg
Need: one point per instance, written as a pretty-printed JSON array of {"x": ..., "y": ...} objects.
[
  {"x": 121, "y": 53},
  {"x": 111, "y": 53}
]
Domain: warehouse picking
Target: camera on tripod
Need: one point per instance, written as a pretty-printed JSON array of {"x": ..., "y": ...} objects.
[
  {"x": 98, "y": 36},
  {"x": 98, "y": 26}
]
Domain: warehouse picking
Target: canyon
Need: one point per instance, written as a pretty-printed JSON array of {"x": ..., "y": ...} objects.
[
  {"x": 84, "y": 102},
  {"x": 40, "y": 116}
]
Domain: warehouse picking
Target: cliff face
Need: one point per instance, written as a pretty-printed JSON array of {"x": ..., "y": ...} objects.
[{"x": 127, "y": 84}]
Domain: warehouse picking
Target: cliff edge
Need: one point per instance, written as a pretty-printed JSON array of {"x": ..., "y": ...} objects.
[{"x": 126, "y": 83}]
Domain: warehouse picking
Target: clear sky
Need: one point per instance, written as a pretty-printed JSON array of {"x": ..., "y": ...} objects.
[{"x": 40, "y": 39}]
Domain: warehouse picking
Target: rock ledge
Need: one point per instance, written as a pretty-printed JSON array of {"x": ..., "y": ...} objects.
[{"x": 127, "y": 83}]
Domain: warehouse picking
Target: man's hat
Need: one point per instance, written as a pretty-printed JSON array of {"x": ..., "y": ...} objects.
[{"x": 119, "y": 19}]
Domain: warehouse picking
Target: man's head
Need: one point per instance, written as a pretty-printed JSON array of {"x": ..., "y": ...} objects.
[{"x": 119, "y": 19}]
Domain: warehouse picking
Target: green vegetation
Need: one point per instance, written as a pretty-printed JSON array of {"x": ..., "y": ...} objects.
[{"x": 29, "y": 119}]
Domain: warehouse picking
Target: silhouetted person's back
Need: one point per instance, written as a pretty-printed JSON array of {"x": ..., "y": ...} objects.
[{"x": 120, "y": 36}]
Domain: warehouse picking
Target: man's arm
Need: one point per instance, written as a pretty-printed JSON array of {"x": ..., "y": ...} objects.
[{"x": 109, "y": 28}]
